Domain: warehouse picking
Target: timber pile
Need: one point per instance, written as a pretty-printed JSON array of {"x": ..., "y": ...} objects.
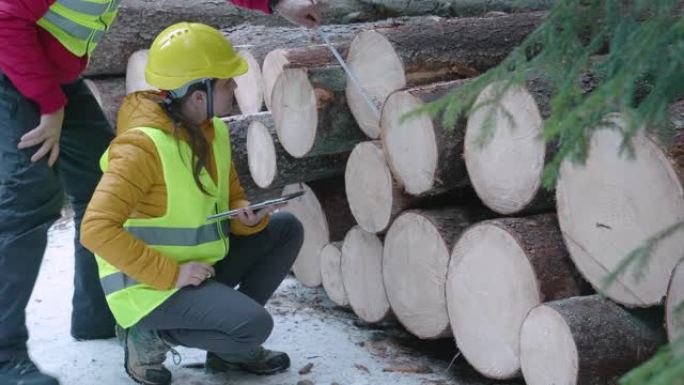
[
  {"x": 390, "y": 230},
  {"x": 259, "y": 45},
  {"x": 388, "y": 59},
  {"x": 139, "y": 21}
]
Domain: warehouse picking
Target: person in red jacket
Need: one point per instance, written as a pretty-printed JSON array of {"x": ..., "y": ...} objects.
[{"x": 52, "y": 134}]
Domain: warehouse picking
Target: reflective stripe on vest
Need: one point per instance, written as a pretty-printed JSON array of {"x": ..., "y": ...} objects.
[
  {"x": 87, "y": 7},
  {"x": 116, "y": 282},
  {"x": 68, "y": 26},
  {"x": 79, "y": 24},
  {"x": 180, "y": 236}
]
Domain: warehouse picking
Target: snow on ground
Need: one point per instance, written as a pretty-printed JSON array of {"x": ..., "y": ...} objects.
[{"x": 342, "y": 349}]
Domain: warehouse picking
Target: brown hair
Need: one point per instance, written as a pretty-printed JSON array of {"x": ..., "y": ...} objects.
[{"x": 198, "y": 142}]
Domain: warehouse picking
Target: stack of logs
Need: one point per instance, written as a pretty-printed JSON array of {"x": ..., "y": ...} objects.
[{"x": 448, "y": 229}]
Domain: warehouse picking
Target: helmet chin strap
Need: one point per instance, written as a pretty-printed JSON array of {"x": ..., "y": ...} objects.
[{"x": 209, "y": 84}]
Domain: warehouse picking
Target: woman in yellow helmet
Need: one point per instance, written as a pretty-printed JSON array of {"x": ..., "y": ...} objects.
[{"x": 169, "y": 273}]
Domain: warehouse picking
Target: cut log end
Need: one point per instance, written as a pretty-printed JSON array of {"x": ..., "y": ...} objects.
[
  {"x": 490, "y": 288},
  {"x": 135, "y": 73},
  {"x": 362, "y": 275},
  {"x": 295, "y": 112},
  {"x": 410, "y": 144},
  {"x": 608, "y": 207},
  {"x": 549, "y": 353},
  {"x": 308, "y": 210},
  {"x": 331, "y": 272},
  {"x": 379, "y": 70},
  {"x": 504, "y": 150},
  {"x": 415, "y": 261},
  {"x": 586, "y": 340},
  {"x": 500, "y": 269},
  {"x": 261, "y": 154},
  {"x": 272, "y": 68},
  {"x": 675, "y": 297},
  {"x": 369, "y": 187},
  {"x": 249, "y": 92}
]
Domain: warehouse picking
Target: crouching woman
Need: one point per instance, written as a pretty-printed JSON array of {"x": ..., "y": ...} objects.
[{"x": 169, "y": 274}]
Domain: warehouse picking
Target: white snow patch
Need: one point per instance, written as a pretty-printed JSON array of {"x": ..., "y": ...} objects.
[{"x": 307, "y": 325}]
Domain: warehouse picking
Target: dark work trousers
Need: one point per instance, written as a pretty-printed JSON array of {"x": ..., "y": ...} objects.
[
  {"x": 218, "y": 318},
  {"x": 31, "y": 198}
]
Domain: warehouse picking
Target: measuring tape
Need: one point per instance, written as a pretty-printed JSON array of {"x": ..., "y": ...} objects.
[{"x": 350, "y": 73}]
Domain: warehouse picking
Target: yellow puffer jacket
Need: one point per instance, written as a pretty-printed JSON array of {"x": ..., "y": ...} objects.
[{"x": 134, "y": 187}]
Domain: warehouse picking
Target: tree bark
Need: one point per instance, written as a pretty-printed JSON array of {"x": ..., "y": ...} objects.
[
  {"x": 585, "y": 341},
  {"x": 333, "y": 198},
  {"x": 331, "y": 273},
  {"x": 309, "y": 105},
  {"x": 606, "y": 209},
  {"x": 425, "y": 157},
  {"x": 459, "y": 8},
  {"x": 139, "y": 21},
  {"x": 270, "y": 166},
  {"x": 362, "y": 275},
  {"x": 415, "y": 260},
  {"x": 387, "y": 59},
  {"x": 110, "y": 93},
  {"x": 500, "y": 269}
]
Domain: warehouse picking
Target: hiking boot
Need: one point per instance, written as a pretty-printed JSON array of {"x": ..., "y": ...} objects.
[
  {"x": 22, "y": 371},
  {"x": 145, "y": 353},
  {"x": 257, "y": 361}
]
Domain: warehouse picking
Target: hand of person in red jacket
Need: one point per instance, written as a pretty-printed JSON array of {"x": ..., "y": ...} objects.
[
  {"x": 302, "y": 12},
  {"x": 48, "y": 132}
]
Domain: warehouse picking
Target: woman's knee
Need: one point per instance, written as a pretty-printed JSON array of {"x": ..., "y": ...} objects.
[{"x": 259, "y": 326}]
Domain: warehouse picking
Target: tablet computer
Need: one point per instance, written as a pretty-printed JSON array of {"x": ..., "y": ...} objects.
[{"x": 257, "y": 206}]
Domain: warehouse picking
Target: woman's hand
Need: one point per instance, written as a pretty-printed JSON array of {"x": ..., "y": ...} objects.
[
  {"x": 193, "y": 274},
  {"x": 251, "y": 219},
  {"x": 47, "y": 134},
  {"x": 300, "y": 12}
]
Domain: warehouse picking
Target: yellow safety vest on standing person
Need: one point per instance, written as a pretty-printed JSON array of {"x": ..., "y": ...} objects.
[
  {"x": 183, "y": 233},
  {"x": 79, "y": 24}
]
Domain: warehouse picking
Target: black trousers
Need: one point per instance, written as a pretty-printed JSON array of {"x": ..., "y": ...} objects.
[
  {"x": 31, "y": 197},
  {"x": 218, "y": 318}
]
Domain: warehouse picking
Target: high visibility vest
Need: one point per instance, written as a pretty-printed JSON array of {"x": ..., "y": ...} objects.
[
  {"x": 183, "y": 233},
  {"x": 79, "y": 24}
]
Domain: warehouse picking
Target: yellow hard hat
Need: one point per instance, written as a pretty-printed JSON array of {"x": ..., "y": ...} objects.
[{"x": 187, "y": 52}]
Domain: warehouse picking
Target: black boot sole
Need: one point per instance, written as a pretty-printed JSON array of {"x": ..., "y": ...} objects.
[
  {"x": 225, "y": 366},
  {"x": 243, "y": 369}
]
